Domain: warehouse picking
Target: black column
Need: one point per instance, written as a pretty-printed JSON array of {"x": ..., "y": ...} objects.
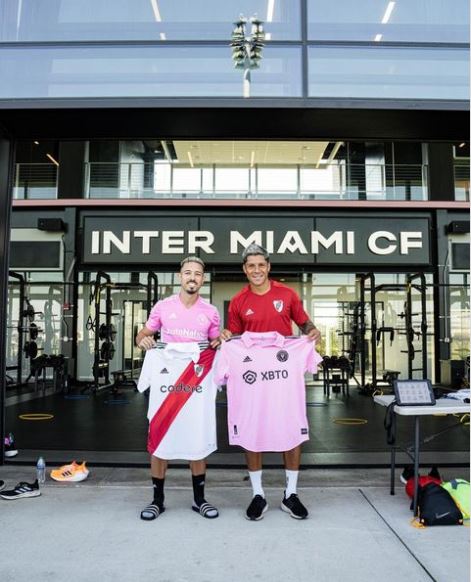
[
  {"x": 72, "y": 169},
  {"x": 5, "y": 211},
  {"x": 441, "y": 171}
]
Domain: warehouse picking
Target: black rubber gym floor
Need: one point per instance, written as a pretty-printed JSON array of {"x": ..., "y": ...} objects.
[{"x": 102, "y": 422}]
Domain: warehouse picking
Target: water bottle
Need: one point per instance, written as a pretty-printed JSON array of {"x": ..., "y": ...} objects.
[{"x": 41, "y": 470}]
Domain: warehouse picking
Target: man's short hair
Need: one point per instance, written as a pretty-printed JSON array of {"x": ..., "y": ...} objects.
[
  {"x": 254, "y": 249},
  {"x": 192, "y": 260}
]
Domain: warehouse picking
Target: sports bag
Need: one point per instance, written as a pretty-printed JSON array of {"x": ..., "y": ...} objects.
[
  {"x": 436, "y": 506},
  {"x": 459, "y": 489}
]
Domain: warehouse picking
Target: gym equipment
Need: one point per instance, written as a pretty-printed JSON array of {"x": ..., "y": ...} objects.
[
  {"x": 409, "y": 330},
  {"x": 30, "y": 350},
  {"x": 336, "y": 382},
  {"x": 107, "y": 350},
  {"x": 107, "y": 332}
]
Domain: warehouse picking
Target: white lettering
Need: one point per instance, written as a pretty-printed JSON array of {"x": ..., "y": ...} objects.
[
  {"x": 146, "y": 236},
  {"x": 269, "y": 242},
  {"x": 408, "y": 242},
  {"x": 172, "y": 241},
  {"x": 238, "y": 239},
  {"x": 110, "y": 238},
  {"x": 374, "y": 248},
  {"x": 334, "y": 239},
  {"x": 202, "y": 239},
  {"x": 292, "y": 242},
  {"x": 95, "y": 242},
  {"x": 350, "y": 242}
]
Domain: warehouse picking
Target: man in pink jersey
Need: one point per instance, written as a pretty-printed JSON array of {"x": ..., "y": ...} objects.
[
  {"x": 268, "y": 306},
  {"x": 185, "y": 317}
]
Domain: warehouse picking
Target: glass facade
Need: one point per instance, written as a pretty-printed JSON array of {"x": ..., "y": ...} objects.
[
  {"x": 384, "y": 21},
  {"x": 155, "y": 20},
  {"x": 162, "y": 48},
  {"x": 388, "y": 73}
]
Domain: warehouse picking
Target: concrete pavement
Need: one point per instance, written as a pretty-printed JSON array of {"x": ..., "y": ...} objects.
[{"x": 356, "y": 531}]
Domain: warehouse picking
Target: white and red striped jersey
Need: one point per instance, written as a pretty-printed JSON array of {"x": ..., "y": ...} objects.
[{"x": 182, "y": 411}]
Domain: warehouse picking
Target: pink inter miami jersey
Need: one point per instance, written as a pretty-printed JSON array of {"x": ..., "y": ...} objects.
[
  {"x": 182, "y": 410},
  {"x": 178, "y": 323},
  {"x": 266, "y": 393}
]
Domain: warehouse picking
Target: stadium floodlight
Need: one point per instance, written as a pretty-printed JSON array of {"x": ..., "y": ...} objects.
[{"x": 247, "y": 49}]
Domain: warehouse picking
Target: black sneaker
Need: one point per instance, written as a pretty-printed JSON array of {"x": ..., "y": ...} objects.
[
  {"x": 2, "y": 485},
  {"x": 10, "y": 449},
  {"x": 294, "y": 507},
  {"x": 257, "y": 508},
  {"x": 407, "y": 474},
  {"x": 23, "y": 489}
]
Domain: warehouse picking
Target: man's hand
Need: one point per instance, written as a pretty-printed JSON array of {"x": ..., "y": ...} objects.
[
  {"x": 146, "y": 343},
  {"x": 314, "y": 335},
  {"x": 311, "y": 331},
  {"x": 215, "y": 343},
  {"x": 225, "y": 335}
]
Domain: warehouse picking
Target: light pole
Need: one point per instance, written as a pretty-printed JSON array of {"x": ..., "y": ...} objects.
[{"x": 247, "y": 49}]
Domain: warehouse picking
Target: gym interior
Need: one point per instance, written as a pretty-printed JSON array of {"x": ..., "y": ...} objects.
[{"x": 83, "y": 278}]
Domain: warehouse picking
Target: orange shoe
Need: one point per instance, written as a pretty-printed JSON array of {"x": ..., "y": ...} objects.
[{"x": 72, "y": 473}]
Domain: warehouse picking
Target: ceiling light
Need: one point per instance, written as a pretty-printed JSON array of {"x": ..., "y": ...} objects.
[
  {"x": 462, "y": 145},
  {"x": 162, "y": 36},
  {"x": 52, "y": 159},
  {"x": 268, "y": 36},
  {"x": 270, "y": 10},
  {"x": 155, "y": 8},
  {"x": 252, "y": 158},
  {"x": 36, "y": 143},
  {"x": 378, "y": 37},
  {"x": 191, "y": 160},
  {"x": 387, "y": 14}
]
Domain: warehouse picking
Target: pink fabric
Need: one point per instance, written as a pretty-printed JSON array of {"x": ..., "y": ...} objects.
[
  {"x": 266, "y": 393},
  {"x": 177, "y": 323}
]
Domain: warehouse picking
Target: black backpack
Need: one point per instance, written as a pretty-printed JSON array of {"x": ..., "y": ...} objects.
[{"x": 436, "y": 506}]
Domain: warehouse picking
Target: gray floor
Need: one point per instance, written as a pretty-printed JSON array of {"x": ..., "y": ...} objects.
[{"x": 356, "y": 531}]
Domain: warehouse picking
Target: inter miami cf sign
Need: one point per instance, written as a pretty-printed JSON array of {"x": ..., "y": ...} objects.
[{"x": 378, "y": 239}]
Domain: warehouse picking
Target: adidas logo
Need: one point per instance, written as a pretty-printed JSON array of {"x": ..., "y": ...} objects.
[
  {"x": 172, "y": 316},
  {"x": 249, "y": 312},
  {"x": 247, "y": 359},
  {"x": 164, "y": 371}
]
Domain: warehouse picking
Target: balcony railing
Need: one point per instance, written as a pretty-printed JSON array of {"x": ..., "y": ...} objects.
[
  {"x": 462, "y": 182},
  {"x": 35, "y": 181},
  {"x": 339, "y": 181}
]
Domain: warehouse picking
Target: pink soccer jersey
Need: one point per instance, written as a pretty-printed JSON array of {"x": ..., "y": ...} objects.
[
  {"x": 178, "y": 323},
  {"x": 266, "y": 393}
]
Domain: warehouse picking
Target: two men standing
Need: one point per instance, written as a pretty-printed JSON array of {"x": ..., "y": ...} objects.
[{"x": 262, "y": 306}]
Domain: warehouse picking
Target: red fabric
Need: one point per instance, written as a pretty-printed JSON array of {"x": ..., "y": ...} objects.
[
  {"x": 171, "y": 406},
  {"x": 272, "y": 311},
  {"x": 425, "y": 480}
]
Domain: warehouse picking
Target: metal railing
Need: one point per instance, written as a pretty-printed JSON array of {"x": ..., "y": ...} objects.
[
  {"x": 35, "y": 181},
  {"x": 335, "y": 181},
  {"x": 462, "y": 182},
  {"x": 327, "y": 181}
]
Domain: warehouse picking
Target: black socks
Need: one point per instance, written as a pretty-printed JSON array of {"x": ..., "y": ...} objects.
[
  {"x": 198, "y": 488},
  {"x": 158, "y": 490}
]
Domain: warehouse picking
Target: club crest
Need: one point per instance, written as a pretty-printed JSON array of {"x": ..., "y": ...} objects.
[
  {"x": 278, "y": 305},
  {"x": 199, "y": 370}
]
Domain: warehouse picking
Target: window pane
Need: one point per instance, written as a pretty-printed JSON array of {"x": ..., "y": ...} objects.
[
  {"x": 410, "y": 21},
  {"x": 26, "y": 20},
  {"x": 389, "y": 73},
  {"x": 232, "y": 179},
  {"x": 144, "y": 72},
  {"x": 277, "y": 180}
]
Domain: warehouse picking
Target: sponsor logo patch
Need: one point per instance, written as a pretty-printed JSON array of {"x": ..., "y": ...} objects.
[
  {"x": 247, "y": 359},
  {"x": 250, "y": 377},
  {"x": 249, "y": 312},
  {"x": 164, "y": 371},
  {"x": 199, "y": 370}
]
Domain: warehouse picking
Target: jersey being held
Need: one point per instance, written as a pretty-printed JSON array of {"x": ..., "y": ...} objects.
[
  {"x": 266, "y": 393},
  {"x": 272, "y": 311},
  {"x": 178, "y": 323},
  {"x": 182, "y": 410}
]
